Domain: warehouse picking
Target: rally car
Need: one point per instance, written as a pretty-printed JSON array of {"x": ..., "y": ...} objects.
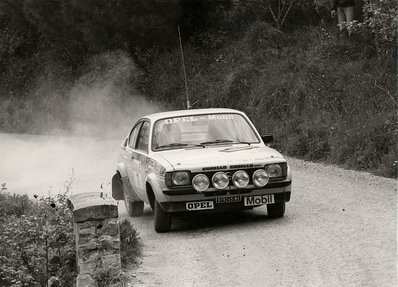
[{"x": 199, "y": 160}]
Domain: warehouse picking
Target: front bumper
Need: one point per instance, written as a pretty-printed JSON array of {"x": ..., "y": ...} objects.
[
  {"x": 286, "y": 183},
  {"x": 181, "y": 206}
]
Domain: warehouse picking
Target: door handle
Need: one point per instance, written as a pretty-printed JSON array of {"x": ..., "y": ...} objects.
[{"x": 132, "y": 156}]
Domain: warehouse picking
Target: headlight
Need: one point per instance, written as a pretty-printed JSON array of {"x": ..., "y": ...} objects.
[
  {"x": 240, "y": 179},
  {"x": 260, "y": 177},
  {"x": 220, "y": 180},
  {"x": 200, "y": 182},
  {"x": 274, "y": 170},
  {"x": 181, "y": 178}
]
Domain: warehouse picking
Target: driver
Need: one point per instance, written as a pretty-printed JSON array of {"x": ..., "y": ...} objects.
[{"x": 169, "y": 133}]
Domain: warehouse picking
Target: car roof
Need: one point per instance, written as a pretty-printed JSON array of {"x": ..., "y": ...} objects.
[{"x": 191, "y": 112}]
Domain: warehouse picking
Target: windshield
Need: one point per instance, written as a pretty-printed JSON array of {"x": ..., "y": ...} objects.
[{"x": 201, "y": 130}]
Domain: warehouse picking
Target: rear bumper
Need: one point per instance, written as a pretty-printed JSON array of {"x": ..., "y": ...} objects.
[{"x": 181, "y": 206}]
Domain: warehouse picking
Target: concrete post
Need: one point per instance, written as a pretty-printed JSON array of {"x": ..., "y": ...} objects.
[{"x": 97, "y": 235}]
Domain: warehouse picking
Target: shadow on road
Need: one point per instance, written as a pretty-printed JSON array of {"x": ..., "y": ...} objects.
[{"x": 207, "y": 222}]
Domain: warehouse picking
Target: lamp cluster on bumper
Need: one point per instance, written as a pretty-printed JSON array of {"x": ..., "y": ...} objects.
[{"x": 220, "y": 180}]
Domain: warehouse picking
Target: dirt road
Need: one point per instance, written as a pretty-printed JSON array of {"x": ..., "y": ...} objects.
[{"x": 339, "y": 228}]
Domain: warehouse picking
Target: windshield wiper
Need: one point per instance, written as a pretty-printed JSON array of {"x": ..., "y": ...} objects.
[
  {"x": 225, "y": 141},
  {"x": 171, "y": 145},
  {"x": 217, "y": 141},
  {"x": 243, "y": 142}
]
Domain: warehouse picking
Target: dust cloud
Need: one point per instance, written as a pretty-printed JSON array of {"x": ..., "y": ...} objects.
[
  {"x": 103, "y": 106},
  {"x": 105, "y": 102}
]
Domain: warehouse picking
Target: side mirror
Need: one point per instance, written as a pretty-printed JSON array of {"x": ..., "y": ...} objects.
[{"x": 267, "y": 138}]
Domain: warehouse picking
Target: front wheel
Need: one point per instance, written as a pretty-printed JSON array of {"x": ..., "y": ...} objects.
[
  {"x": 276, "y": 210},
  {"x": 162, "y": 219}
]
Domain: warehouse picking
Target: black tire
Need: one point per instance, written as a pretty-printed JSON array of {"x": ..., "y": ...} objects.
[
  {"x": 276, "y": 210},
  {"x": 117, "y": 188},
  {"x": 162, "y": 220},
  {"x": 135, "y": 208}
]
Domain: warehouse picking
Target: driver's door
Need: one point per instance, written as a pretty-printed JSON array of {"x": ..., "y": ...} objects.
[
  {"x": 132, "y": 142},
  {"x": 140, "y": 160}
]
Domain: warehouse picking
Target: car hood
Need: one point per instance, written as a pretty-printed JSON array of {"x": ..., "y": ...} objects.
[{"x": 211, "y": 157}]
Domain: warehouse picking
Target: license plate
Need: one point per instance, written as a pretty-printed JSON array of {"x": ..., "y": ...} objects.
[
  {"x": 259, "y": 200},
  {"x": 199, "y": 205},
  {"x": 228, "y": 199}
]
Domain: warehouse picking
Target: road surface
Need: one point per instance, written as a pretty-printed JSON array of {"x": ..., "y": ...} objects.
[
  {"x": 32, "y": 164},
  {"x": 339, "y": 228}
]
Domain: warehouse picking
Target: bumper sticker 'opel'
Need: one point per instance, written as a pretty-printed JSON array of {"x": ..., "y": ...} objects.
[{"x": 200, "y": 205}]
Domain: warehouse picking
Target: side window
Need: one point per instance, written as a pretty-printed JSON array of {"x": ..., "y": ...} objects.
[
  {"x": 143, "y": 137},
  {"x": 133, "y": 135}
]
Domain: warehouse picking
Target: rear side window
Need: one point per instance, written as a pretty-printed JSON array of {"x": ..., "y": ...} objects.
[
  {"x": 143, "y": 137},
  {"x": 133, "y": 135}
]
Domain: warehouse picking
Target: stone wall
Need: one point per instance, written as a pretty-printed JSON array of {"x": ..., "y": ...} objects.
[{"x": 97, "y": 235}]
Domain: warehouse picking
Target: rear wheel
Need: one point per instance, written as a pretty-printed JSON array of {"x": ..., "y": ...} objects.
[
  {"x": 162, "y": 219},
  {"x": 134, "y": 208},
  {"x": 276, "y": 209}
]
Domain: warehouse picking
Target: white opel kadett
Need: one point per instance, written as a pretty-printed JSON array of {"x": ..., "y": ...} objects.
[{"x": 199, "y": 160}]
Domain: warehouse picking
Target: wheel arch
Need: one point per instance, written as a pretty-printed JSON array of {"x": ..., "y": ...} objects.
[
  {"x": 150, "y": 194},
  {"x": 117, "y": 187},
  {"x": 121, "y": 170}
]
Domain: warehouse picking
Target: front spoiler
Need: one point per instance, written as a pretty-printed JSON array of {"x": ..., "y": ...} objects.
[{"x": 180, "y": 206}]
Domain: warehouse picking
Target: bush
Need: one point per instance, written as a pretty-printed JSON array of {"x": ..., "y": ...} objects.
[
  {"x": 37, "y": 244},
  {"x": 130, "y": 244},
  {"x": 36, "y": 241},
  {"x": 109, "y": 276},
  {"x": 381, "y": 19},
  {"x": 14, "y": 205}
]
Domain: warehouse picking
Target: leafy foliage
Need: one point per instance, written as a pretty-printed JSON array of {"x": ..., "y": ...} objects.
[
  {"x": 100, "y": 25},
  {"x": 36, "y": 241},
  {"x": 111, "y": 276},
  {"x": 130, "y": 244},
  {"x": 381, "y": 18}
]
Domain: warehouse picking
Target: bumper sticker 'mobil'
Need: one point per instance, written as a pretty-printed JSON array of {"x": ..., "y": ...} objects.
[{"x": 259, "y": 200}]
